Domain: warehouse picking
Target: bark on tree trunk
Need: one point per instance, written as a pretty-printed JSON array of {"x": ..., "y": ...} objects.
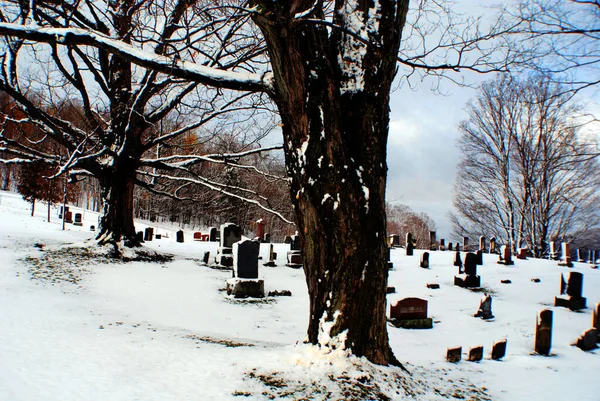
[{"x": 332, "y": 92}]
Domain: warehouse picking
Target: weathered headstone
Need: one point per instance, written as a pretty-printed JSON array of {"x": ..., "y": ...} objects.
[
  {"x": 267, "y": 238},
  {"x": 553, "y": 252},
  {"x": 260, "y": 229},
  {"x": 139, "y": 236},
  {"x": 432, "y": 241},
  {"x": 197, "y": 236},
  {"x": 465, "y": 244},
  {"x": 158, "y": 236},
  {"x": 394, "y": 240},
  {"x": 245, "y": 258},
  {"x": 574, "y": 290},
  {"x": 69, "y": 217},
  {"x": 272, "y": 257},
  {"x": 453, "y": 355},
  {"x": 92, "y": 228},
  {"x": 433, "y": 286},
  {"x": 457, "y": 247},
  {"x": 493, "y": 245},
  {"x": 179, "y": 236},
  {"x": 390, "y": 290},
  {"x": 213, "y": 234},
  {"x": 505, "y": 256},
  {"x": 295, "y": 244},
  {"x": 592, "y": 256},
  {"x": 482, "y": 244},
  {"x": 458, "y": 262},
  {"x": 543, "y": 332},
  {"x": 580, "y": 255},
  {"x": 522, "y": 253},
  {"x": 78, "y": 221},
  {"x": 206, "y": 257},
  {"x": 587, "y": 341},
  {"x": 485, "y": 308},
  {"x": 476, "y": 354},
  {"x": 566, "y": 255},
  {"x": 442, "y": 244},
  {"x": 425, "y": 260},
  {"x": 246, "y": 288},
  {"x": 471, "y": 263},
  {"x": 148, "y": 234},
  {"x": 410, "y": 246},
  {"x": 390, "y": 265},
  {"x": 499, "y": 350},
  {"x": 230, "y": 234},
  {"x": 411, "y": 313},
  {"x": 287, "y": 239},
  {"x": 449, "y": 246},
  {"x": 506, "y": 281}
]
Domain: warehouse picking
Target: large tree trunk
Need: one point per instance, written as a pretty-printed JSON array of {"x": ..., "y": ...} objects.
[{"x": 332, "y": 92}]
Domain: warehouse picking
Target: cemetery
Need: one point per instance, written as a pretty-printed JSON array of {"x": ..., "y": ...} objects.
[{"x": 542, "y": 329}]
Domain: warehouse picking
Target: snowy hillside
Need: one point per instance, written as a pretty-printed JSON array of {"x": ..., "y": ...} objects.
[{"x": 76, "y": 327}]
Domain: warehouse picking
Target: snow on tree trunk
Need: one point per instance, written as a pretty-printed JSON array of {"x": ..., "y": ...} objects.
[{"x": 332, "y": 92}]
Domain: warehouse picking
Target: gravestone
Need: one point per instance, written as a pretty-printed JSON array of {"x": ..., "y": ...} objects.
[
  {"x": 230, "y": 234},
  {"x": 213, "y": 234},
  {"x": 60, "y": 213},
  {"x": 476, "y": 354},
  {"x": 78, "y": 221},
  {"x": 587, "y": 341},
  {"x": 394, "y": 240},
  {"x": 390, "y": 265},
  {"x": 505, "y": 256},
  {"x": 442, "y": 244},
  {"x": 479, "y": 255},
  {"x": 485, "y": 308},
  {"x": 158, "y": 236},
  {"x": 453, "y": 355},
  {"x": 563, "y": 285},
  {"x": 69, "y": 217},
  {"x": 425, "y": 260},
  {"x": 433, "y": 286},
  {"x": 260, "y": 229},
  {"x": 493, "y": 245},
  {"x": 295, "y": 244},
  {"x": 294, "y": 259},
  {"x": 179, "y": 236},
  {"x": 432, "y": 241},
  {"x": 245, "y": 258},
  {"x": 458, "y": 262},
  {"x": 553, "y": 252},
  {"x": 410, "y": 313},
  {"x": 482, "y": 243},
  {"x": 206, "y": 257},
  {"x": 499, "y": 350},
  {"x": 410, "y": 246},
  {"x": 139, "y": 236},
  {"x": 574, "y": 290},
  {"x": 287, "y": 239},
  {"x": 522, "y": 253},
  {"x": 267, "y": 238},
  {"x": 580, "y": 255},
  {"x": 92, "y": 228},
  {"x": 566, "y": 255},
  {"x": 596, "y": 317},
  {"x": 543, "y": 332},
  {"x": 469, "y": 279},
  {"x": 272, "y": 257},
  {"x": 465, "y": 244},
  {"x": 197, "y": 236},
  {"x": 246, "y": 288},
  {"x": 592, "y": 257},
  {"x": 390, "y": 290},
  {"x": 506, "y": 281},
  {"x": 148, "y": 234},
  {"x": 457, "y": 247},
  {"x": 449, "y": 246}
]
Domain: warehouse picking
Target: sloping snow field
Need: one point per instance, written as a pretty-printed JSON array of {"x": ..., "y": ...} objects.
[{"x": 78, "y": 328}]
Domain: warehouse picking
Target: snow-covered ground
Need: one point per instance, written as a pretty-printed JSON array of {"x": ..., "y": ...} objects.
[{"x": 75, "y": 328}]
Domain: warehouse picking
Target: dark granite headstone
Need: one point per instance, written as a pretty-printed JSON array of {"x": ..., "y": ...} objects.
[
  {"x": 390, "y": 290},
  {"x": 588, "y": 340},
  {"x": 482, "y": 244},
  {"x": 479, "y": 255},
  {"x": 499, "y": 350},
  {"x": 432, "y": 241},
  {"x": 563, "y": 285},
  {"x": 458, "y": 262},
  {"x": 574, "y": 290},
  {"x": 295, "y": 244},
  {"x": 425, "y": 260},
  {"x": 92, "y": 228},
  {"x": 410, "y": 246},
  {"x": 409, "y": 308},
  {"x": 476, "y": 354},
  {"x": 454, "y": 355},
  {"x": 543, "y": 332},
  {"x": 213, "y": 234},
  {"x": 148, "y": 234},
  {"x": 466, "y": 244},
  {"x": 442, "y": 245},
  {"x": 287, "y": 239},
  {"x": 245, "y": 255},
  {"x": 433, "y": 286},
  {"x": 78, "y": 221},
  {"x": 267, "y": 238},
  {"x": 471, "y": 264},
  {"x": 158, "y": 236},
  {"x": 449, "y": 246},
  {"x": 575, "y": 285},
  {"x": 179, "y": 236},
  {"x": 206, "y": 257},
  {"x": 139, "y": 236}
]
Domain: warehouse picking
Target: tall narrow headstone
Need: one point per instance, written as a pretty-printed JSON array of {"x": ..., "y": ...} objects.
[
  {"x": 553, "y": 252},
  {"x": 465, "y": 244},
  {"x": 499, "y": 350},
  {"x": 543, "y": 332},
  {"x": 482, "y": 244},
  {"x": 213, "y": 234},
  {"x": 442, "y": 244},
  {"x": 566, "y": 255},
  {"x": 458, "y": 262},
  {"x": 409, "y": 244},
  {"x": 295, "y": 244},
  {"x": 592, "y": 256},
  {"x": 432, "y": 241},
  {"x": 272, "y": 257},
  {"x": 505, "y": 256},
  {"x": 425, "y": 260},
  {"x": 470, "y": 279},
  {"x": 148, "y": 234},
  {"x": 580, "y": 255},
  {"x": 260, "y": 229},
  {"x": 179, "y": 236},
  {"x": 493, "y": 245},
  {"x": 479, "y": 255},
  {"x": 450, "y": 246},
  {"x": 230, "y": 234}
]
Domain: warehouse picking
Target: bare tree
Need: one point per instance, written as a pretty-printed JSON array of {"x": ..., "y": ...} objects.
[
  {"x": 525, "y": 175},
  {"x": 401, "y": 219}
]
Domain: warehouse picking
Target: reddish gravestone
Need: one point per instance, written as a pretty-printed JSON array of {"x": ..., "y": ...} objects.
[
  {"x": 411, "y": 313},
  {"x": 543, "y": 332},
  {"x": 197, "y": 236},
  {"x": 260, "y": 229}
]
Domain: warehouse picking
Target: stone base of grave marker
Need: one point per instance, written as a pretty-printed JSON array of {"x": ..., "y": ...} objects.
[
  {"x": 587, "y": 341},
  {"x": 224, "y": 257},
  {"x": 246, "y": 288},
  {"x": 476, "y": 354},
  {"x": 571, "y": 302},
  {"x": 433, "y": 286},
  {"x": 225, "y": 251},
  {"x": 505, "y": 262},
  {"x": 467, "y": 281},
  {"x": 499, "y": 350},
  {"x": 390, "y": 290},
  {"x": 158, "y": 236},
  {"x": 453, "y": 355},
  {"x": 506, "y": 281},
  {"x": 270, "y": 263},
  {"x": 390, "y": 265},
  {"x": 416, "y": 324},
  {"x": 294, "y": 259},
  {"x": 566, "y": 263}
]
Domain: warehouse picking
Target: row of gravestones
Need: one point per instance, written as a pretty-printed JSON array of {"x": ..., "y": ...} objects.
[
  {"x": 78, "y": 221},
  {"x": 394, "y": 241}
]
